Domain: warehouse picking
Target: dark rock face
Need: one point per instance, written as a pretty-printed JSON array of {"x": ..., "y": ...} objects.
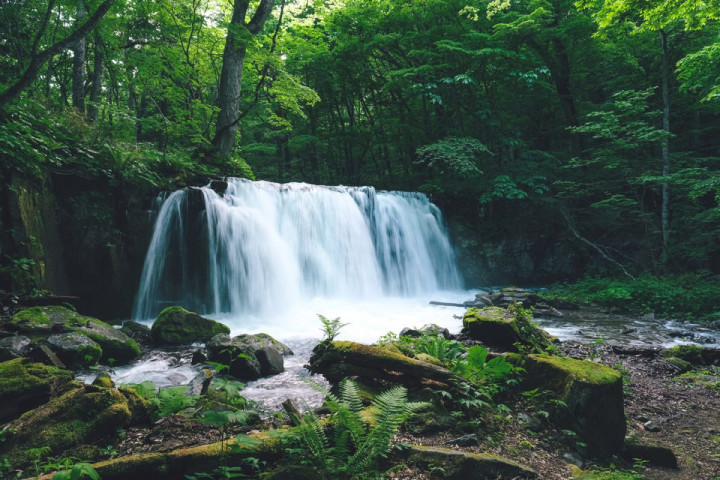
[
  {"x": 248, "y": 357},
  {"x": 177, "y": 326},
  {"x": 14, "y": 347},
  {"x": 75, "y": 349}
]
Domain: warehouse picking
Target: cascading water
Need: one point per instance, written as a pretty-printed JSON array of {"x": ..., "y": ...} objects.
[{"x": 262, "y": 245}]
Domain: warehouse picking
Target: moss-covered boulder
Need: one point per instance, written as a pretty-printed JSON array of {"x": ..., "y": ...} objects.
[
  {"x": 694, "y": 354},
  {"x": 505, "y": 328},
  {"x": 116, "y": 347},
  {"x": 461, "y": 465},
  {"x": 340, "y": 359},
  {"x": 80, "y": 416},
  {"x": 592, "y": 395},
  {"x": 25, "y": 385},
  {"x": 75, "y": 349},
  {"x": 248, "y": 356},
  {"x": 177, "y": 326}
]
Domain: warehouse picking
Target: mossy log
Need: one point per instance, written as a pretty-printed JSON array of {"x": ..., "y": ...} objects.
[
  {"x": 341, "y": 359},
  {"x": 461, "y": 465},
  {"x": 176, "y": 464}
]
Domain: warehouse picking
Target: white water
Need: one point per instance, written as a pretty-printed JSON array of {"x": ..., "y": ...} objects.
[{"x": 265, "y": 253}]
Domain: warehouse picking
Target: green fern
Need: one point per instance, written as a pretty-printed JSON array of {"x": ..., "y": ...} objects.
[{"x": 354, "y": 444}]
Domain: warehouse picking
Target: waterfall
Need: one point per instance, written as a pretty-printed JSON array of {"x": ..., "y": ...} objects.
[{"x": 261, "y": 245}]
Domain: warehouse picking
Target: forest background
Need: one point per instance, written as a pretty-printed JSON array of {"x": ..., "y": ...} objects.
[{"x": 560, "y": 138}]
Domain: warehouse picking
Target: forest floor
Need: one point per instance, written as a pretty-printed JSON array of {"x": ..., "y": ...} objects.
[{"x": 663, "y": 408}]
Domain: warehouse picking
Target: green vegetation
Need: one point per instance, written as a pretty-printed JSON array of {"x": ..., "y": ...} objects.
[
  {"x": 690, "y": 296},
  {"x": 355, "y": 444}
]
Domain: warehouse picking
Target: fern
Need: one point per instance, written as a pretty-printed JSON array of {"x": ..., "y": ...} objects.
[{"x": 355, "y": 444}]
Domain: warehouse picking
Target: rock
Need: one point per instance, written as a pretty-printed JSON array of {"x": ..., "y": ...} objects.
[
  {"x": 593, "y": 395},
  {"x": 198, "y": 356},
  {"x": 469, "y": 440},
  {"x": 694, "y": 354},
  {"x": 104, "y": 379},
  {"x": 427, "y": 358},
  {"x": 136, "y": 331},
  {"x": 433, "y": 329},
  {"x": 116, "y": 347},
  {"x": 459, "y": 465},
  {"x": 43, "y": 354},
  {"x": 271, "y": 362},
  {"x": 574, "y": 458},
  {"x": 650, "y": 426},
  {"x": 14, "y": 347},
  {"x": 249, "y": 357},
  {"x": 75, "y": 349},
  {"x": 200, "y": 384},
  {"x": 654, "y": 455},
  {"x": 504, "y": 328},
  {"x": 81, "y": 415},
  {"x": 219, "y": 186},
  {"x": 340, "y": 359},
  {"x": 25, "y": 385},
  {"x": 409, "y": 332},
  {"x": 177, "y": 326}
]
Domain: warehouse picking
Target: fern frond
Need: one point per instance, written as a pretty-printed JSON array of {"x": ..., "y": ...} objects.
[
  {"x": 313, "y": 436},
  {"x": 350, "y": 395}
]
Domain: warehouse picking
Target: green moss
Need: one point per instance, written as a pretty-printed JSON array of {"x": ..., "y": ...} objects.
[
  {"x": 583, "y": 370},
  {"x": 424, "y": 357},
  {"x": 689, "y": 353},
  {"x": 680, "y": 364},
  {"x": 20, "y": 375},
  {"x": 506, "y": 329},
  {"x": 177, "y": 326},
  {"x": 489, "y": 314}
]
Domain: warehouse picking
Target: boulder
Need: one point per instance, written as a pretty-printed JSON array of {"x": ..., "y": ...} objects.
[
  {"x": 79, "y": 416},
  {"x": 136, "y": 330},
  {"x": 460, "y": 465},
  {"x": 593, "y": 397},
  {"x": 654, "y": 454},
  {"x": 14, "y": 347},
  {"x": 177, "y": 326},
  {"x": 248, "y": 357},
  {"x": 75, "y": 349},
  {"x": 25, "y": 385},
  {"x": 116, "y": 347},
  {"x": 505, "y": 328}
]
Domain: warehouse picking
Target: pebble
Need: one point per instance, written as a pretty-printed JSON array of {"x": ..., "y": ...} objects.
[
  {"x": 650, "y": 426},
  {"x": 469, "y": 440},
  {"x": 574, "y": 458}
]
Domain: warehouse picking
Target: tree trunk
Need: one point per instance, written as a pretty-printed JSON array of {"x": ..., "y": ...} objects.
[
  {"x": 665, "y": 213},
  {"x": 96, "y": 92},
  {"x": 78, "y": 75},
  {"x": 232, "y": 71}
]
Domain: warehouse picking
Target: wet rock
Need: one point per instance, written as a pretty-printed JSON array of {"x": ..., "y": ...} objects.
[
  {"x": 200, "y": 384},
  {"x": 433, "y": 329},
  {"x": 238, "y": 357},
  {"x": 75, "y": 350},
  {"x": 198, "y": 356},
  {"x": 56, "y": 319},
  {"x": 469, "y": 440},
  {"x": 271, "y": 362},
  {"x": 136, "y": 331},
  {"x": 459, "y": 465},
  {"x": 593, "y": 397},
  {"x": 219, "y": 186},
  {"x": 177, "y": 326},
  {"x": 410, "y": 332},
  {"x": 14, "y": 347},
  {"x": 25, "y": 385}
]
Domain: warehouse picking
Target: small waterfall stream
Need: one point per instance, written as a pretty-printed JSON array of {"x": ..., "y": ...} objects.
[{"x": 261, "y": 245}]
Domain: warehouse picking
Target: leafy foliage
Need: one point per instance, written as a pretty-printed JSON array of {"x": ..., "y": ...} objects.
[{"x": 354, "y": 445}]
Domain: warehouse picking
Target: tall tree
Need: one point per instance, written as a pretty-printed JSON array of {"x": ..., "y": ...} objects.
[{"x": 236, "y": 43}]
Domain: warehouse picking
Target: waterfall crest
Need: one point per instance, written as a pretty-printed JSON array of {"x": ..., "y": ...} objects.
[{"x": 263, "y": 244}]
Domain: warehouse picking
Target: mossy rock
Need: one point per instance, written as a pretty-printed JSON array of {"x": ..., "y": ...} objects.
[
  {"x": 25, "y": 385},
  {"x": 248, "y": 357},
  {"x": 505, "y": 328},
  {"x": 682, "y": 365},
  {"x": 461, "y": 465},
  {"x": 80, "y": 416},
  {"x": 593, "y": 397},
  {"x": 75, "y": 349},
  {"x": 689, "y": 353},
  {"x": 117, "y": 347},
  {"x": 177, "y": 326}
]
